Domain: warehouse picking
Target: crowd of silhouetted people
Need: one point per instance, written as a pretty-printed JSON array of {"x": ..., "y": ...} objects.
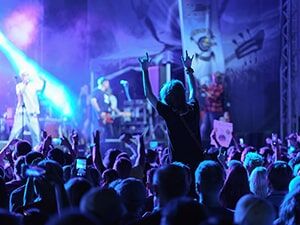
[{"x": 236, "y": 185}]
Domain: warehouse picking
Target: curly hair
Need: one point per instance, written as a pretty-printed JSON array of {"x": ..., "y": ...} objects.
[{"x": 173, "y": 94}]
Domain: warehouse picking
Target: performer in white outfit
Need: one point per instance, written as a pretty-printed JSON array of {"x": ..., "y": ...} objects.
[{"x": 28, "y": 108}]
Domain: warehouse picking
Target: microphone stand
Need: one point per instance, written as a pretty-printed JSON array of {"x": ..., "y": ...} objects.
[
  {"x": 23, "y": 121},
  {"x": 126, "y": 89}
]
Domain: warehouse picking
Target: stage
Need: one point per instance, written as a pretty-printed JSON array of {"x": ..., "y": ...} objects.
[{"x": 72, "y": 44}]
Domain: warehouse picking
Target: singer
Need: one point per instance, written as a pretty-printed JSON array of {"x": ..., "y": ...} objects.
[{"x": 28, "y": 108}]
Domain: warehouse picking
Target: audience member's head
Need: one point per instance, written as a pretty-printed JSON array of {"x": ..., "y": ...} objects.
[
  {"x": 233, "y": 163},
  {"x": 22, "y": 148},
  {"x": 57, "y": 155},
  {"x": 51, "y": 167},
  {"x": 169, "y": 182},
  {"x": 183, "y": 211},
  {"x": 133, "y": 193},
  {"x": 289, "y": 212},
  {"x": 108, "y": 176},
  {"x": 236, "y": 185},
  {"x": 110, "y": 158},
  {"x": 76, "y": 188},
  {"x": 188, "y": 174},
  {"x": 253, "y": 160},
  {"x": 33, "y": 156},
  {"x": 105, "y": 204},
  {"x": 252, "y": 210},
  {"x": 73, "y": 218},
  {"x": 173, "y": 94},
  {"x": 267, "y": 154},
  {"x": 258, "y": 182},
  {"x": 233, "y": 153},
  {"x": 209, "y": 178},
  {"x": 123, "y": 166},
  {"x": 279, "y": 176}
]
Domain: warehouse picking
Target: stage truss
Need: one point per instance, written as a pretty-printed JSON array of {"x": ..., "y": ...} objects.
[{"x": 289, "y": 68}]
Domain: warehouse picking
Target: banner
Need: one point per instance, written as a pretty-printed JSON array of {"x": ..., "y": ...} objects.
[{"x": 200, "y": 34}]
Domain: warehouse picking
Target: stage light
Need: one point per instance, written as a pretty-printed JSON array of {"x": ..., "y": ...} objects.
[
  {"x": 22, "y": 25},
  {"x": 55, "y": 92}
]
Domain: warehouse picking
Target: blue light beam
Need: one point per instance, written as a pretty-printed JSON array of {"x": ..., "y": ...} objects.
[{"x": 57, "y": 94}]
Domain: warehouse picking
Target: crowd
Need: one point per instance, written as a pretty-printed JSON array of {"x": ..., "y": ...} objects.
[
  {"x": 238, "y": 185},
  {"x": 179, "y": 184}
]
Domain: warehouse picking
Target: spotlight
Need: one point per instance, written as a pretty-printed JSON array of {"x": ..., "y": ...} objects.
[{"x": 55, "y": 92}]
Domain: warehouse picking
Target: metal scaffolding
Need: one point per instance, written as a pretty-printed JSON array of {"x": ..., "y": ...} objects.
[{"x": 288, "y": 66}]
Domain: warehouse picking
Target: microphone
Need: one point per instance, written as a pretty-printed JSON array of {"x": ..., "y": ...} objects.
[{"x": 123, "y": 82}]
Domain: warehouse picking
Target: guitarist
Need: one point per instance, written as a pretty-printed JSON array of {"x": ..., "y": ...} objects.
[{"x": 103, "y": 106}]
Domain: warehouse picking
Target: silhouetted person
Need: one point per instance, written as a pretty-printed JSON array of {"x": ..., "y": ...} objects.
[
  {"x": 181, "y": 115},
  {"x": 279, "y": 176},
  {"x": 252, "y": 210},
  {"x": 210, "y": 177},
  {"x": 169, "y": 182},
  {"x": 236, "y": 185},
  {"x": 183, "y": 211}
]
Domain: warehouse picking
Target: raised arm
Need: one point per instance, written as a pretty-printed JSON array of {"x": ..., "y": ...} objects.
[
  {"x": 141, "y": 158},
  {"x": 144, "y": 63},
  {"x": 66, "y": 143},
  {"x": 40, "y": 84},
  {"x": 187, "y": 63},
  {"x": 96, "y": 152}
]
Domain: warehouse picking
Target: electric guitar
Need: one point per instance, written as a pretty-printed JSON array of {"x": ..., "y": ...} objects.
[{"x": 109, "y": 118}]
